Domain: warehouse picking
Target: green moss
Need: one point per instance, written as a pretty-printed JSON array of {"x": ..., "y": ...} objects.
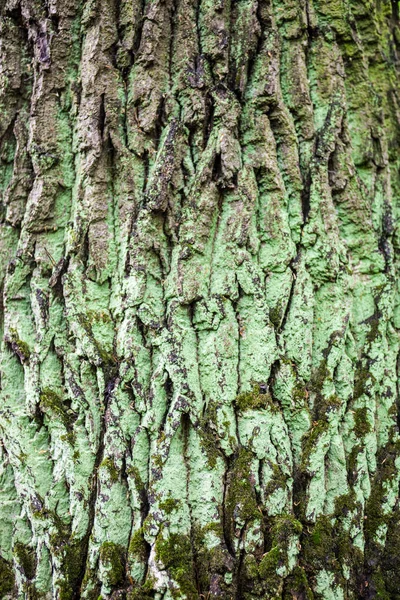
[
  {"x": 143, "y": 592},
  {"x": 375, "y": 510},
  {"x": 175, "y": 553},
  {"x": 108, "y": 359},
  {"x": 109, "y": 465},
  {"x": 275, "y": 315},
  {"x": 311, "y": 439},
  {"x": 158, "y": 461},
  {"x": 26, "y": 558},
  {"x": 52, "y": 405},
  {"x": 90, "y": 588},
  {"x": 296, "y": 586},
  {"x": 281, "y": 533},
  {"x": 362, "y": 381},
  {"x": 362, "y": 425},
  {"x": 169, "y": 505},
  {"x": 241, "y": 502},
  {"x": 345, "y": 504},
  {"x": 326, "y": 406},
  {"x": 251, "y": 567},
  {"x": 377, "y": 586},
  {"x": 278, "y": 479},
  {"x": 318, "y": 547},
  {"x": 97, "y": 317},
  {"x": 134, "y": 473},
  {"x": 269, "y": 564},
  {"x": 299, "y": 394},
  {"x": 207, "y": 435},
  {"x": 6, "y": 578},
  {"x": 391, "y": 557},
  {"x": 209, "y": 560},
  {"x": 319, "y": 376},
  {"x": 284, "y": 528},
  {"x": 255, "y": 400},
  {"x": 32, "y": 593},
  {"x": 72, "y": 555},
  {"x": 111, "y": 557},
  {"x": 328, "y": 545},
  {"x": 137, "y": 546},
  {"x": 20, "y": 347},
  {"x": 207, "y": 441}
]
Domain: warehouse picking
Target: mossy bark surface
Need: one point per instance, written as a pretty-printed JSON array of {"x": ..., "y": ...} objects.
[{"x": 200, "y": 299}]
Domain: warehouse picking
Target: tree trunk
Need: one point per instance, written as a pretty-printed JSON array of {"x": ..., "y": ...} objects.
[{"x": 200, "y": 299}]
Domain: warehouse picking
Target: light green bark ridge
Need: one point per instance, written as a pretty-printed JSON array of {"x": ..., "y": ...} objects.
[{"x": 200, "y": 310}]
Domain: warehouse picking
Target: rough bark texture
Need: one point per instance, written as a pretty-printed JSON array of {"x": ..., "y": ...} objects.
[{"x": 200, "y": 299}]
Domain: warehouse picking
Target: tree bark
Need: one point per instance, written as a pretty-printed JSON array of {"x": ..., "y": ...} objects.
[{"x": 199, "y": 271}]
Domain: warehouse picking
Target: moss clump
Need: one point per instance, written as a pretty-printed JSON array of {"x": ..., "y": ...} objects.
[
  {"x": 326, "y": 406},
  {"x": 345, "y": 504},
  {"x": 318, "y": 547},
  {"x": 277, "y": 481},
  {"x": 142, "y": 592},
  {"x": 270, "y": 562},
  {"x": 391, "y": 557},
  {"x": 328, "y": 545},
  {"x": 282, "y": 531},
  {"x": 70, "y": 553},
  {"x": 362, "y": 381},
  {"x": 175, "y": 553},
  {"x": 207, "y": 435},
  {"x": 284, "y": 528},
  {"x": 109, "y": 465},
  {"x": 250, "y": 568},
  {"x": 134, "y": 473},
  {"x": 6, "y": 578},
  {"x": 257, "y": 399},
  {"x": 348, "y": 555},
  {"x": 90, "y": 588},
  {"x": 18, "y": 346},
  {"x": 169, "y": 505},
  {"x": 137, "y": 546},
  {"x": 362, "y": 425},
  {"x": 111, "y": 557},
  {"x": 275, "y": 315},
  {"x": 267, "y": 572},
  {"x": 319, "y": 376},
  {"x": 208, "y": 443},
  {"x": 211, "y": 559},
  {"x": 299, "y": 394},
  {"x": 241, "y": 501},
  {"x": 375, "y": 507},
  {"x": 72, "y": 557},
  {"x": 26, "y": 558},
  {"x": 97, "y": 317},
  {"x": 52, "y": 405},
  {"x": 296, "y": 586}
]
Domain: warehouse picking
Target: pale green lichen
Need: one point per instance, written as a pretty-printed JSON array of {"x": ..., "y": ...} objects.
[{"x": 200, "y": 300}]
